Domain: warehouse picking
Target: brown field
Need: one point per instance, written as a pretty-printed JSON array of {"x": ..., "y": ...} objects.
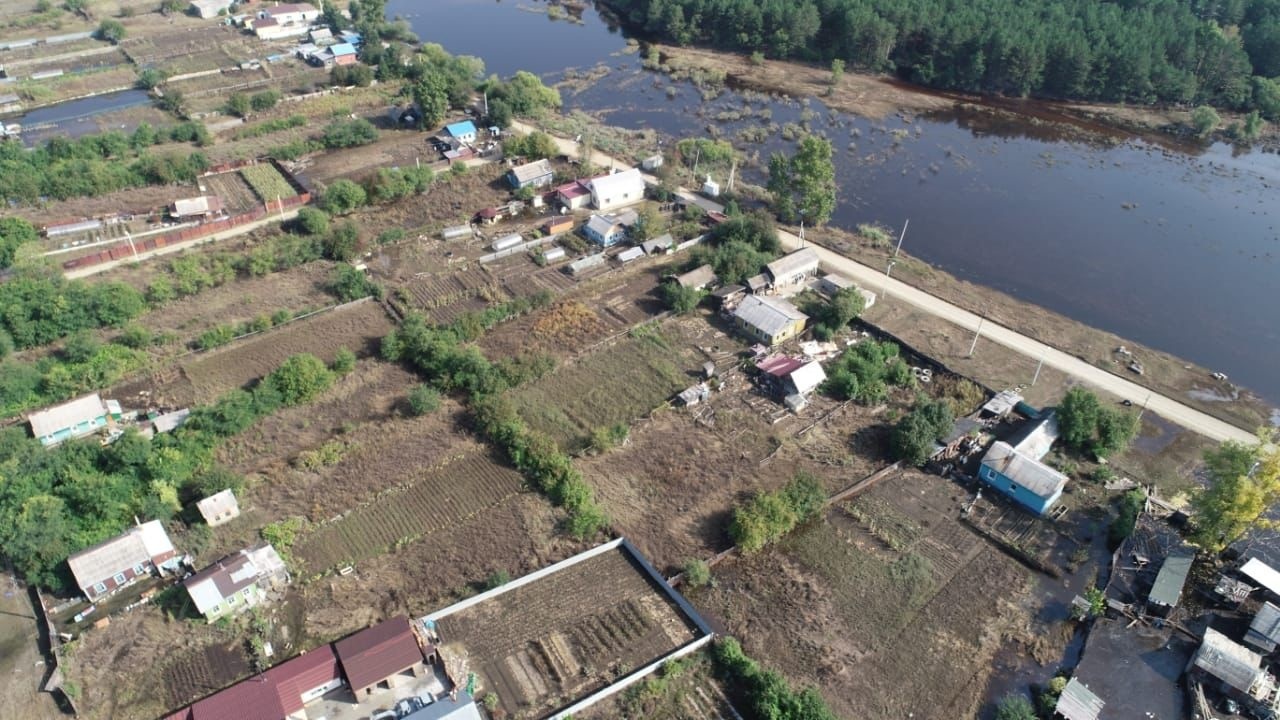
[
  {"x": 835, "y": 605},
  {"x": 681, "y": 690},
  {"x": 204, "y": 670},
  {"x": 435, "y": 501},
  {"x": 535, "y": 650},
  {"x": 236, "y": 193},
  {"x": 357, "y": 327}
]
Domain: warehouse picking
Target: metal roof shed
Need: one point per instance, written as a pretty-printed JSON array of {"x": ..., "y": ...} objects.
[
  {"x": 1235, "y": 665},
  {"x": 630, "y": 254},
  {"x": 1263, "y": 574},
  {"x": 1172, "y": 576},
  {"x": 1077, "y": 702},
  {"x": 1264, "y": 631}
]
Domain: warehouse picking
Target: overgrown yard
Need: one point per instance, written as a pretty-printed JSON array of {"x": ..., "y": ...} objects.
[
  {"x": 614, "y": 385},
  {"x": 888, "y": 604}
]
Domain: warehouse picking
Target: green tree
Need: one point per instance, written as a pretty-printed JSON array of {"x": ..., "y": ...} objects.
[
  {"x": 431, "y": 95},
  {"x": 837, "y": 71},
  {"x": 111, "y": 30},
  {"x": 696, "y": 573},
  {"x": 265, "y": 100},
  {"x": 343, "y": 243},
  {"x": 151, "y": 78},
  {"x": 1078, "y": 417},
  {"x": 14, "y": 233},
  {"x": 534, "y": 146},
  {"x": 348, "y": 133},
  {"x": 342, "y": 197},
  {"x": 344, "y": 361},
  {"x": 916, "y": 433},
  {"x": 1205, "y": 120},
  {"x": 804, "y": 186},
  {"x": 312, "y": 221},
  {"x": 350, "y": 284},
  {"x": 1244, "y": 482},
  {"x": 681, "y": 300},
  {"x": 300, "y": 379}
]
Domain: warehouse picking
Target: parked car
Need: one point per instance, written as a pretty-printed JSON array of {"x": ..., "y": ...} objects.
[
  {"x": 408, "y": 705},
  {"x": 382, "y": 715}
]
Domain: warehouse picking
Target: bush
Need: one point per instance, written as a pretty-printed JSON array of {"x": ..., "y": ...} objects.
[
  {"x": 264, "y": 100},
  {"x": 696, "y": 573},
  {"x": 348, "y": 133},
  {"x": 1015, "y": 707},
  {"x": 111, "y": 31},
  {"x": 342, "y": 197},
  {"x": 300, "y": 379},
  {"x": 423, "y": 400},
  {"x": 343, "y": 244},
  {"x": 312, "y": 221},
  {"x": 770, "y": 515},
  {"x": 914, "y": 436},
  {"x": 350, "y": 284},
  {"x": 344, "y": 361},
  {"x": 764, "y": 693},
  {"x": 1205, "y": 120},
  {"x": 1131, "y": 504},
  {"x": 679, "y": 299}
]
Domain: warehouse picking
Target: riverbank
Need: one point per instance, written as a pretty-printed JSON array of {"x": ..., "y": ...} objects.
[
  {"x": 1162, "y": 373},
  {"x": 876, "y": 97}
]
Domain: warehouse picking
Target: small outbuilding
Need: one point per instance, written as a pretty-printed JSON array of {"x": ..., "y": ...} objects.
[
  {"x": 535, "y": 174},
  {"x": 210, "y": 8},
  {"x": 1017, "y": 471},
  {"x": 457, "y": 232},
  {"x": 1167, "y": 589},
  {"x": 1077, "y": 702},
  {"x": 660, "y": 245},
  {"x": 197, "y": 207},
  {"x": 219, "y": 508},
  {"x": 791, "y": 272},
  {"x": 577, "y": 267},
  {"x": 380, "y": 656},
  {"x": 1264, "y": 631},
  {"x": 557, "y": 225},
  {"x": 698, "y": 278},
  {"x": 769, "y": 320}
]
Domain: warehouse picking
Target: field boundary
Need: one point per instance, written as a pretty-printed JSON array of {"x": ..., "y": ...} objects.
[{"x": 235, "y": 340}]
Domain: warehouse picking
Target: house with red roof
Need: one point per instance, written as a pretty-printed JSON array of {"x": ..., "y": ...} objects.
[
  {"x": 380, "y": 656},
  {"x": 280, "y": 693}
]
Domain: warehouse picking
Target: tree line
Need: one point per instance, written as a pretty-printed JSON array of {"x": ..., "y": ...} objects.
[{"x": 1220, "y": 52}]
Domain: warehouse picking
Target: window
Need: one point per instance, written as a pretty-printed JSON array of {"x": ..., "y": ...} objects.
[
  {"x": 231, "y": 600},
  {"x": 119, "y": 578},
  {"x": 138, "y": 569},
  {"x": 99, "y": 588}
]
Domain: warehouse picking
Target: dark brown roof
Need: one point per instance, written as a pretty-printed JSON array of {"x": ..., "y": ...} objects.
[
  {"x": 378, "y": 652},
  {"x": 305, "y": 672},
  {"x": 272, "y": 695},
  {"x": 222, "y": 572},
  {"x": 250, "y": 699}
]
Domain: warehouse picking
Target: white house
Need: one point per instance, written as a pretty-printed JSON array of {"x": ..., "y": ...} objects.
[
  {"x": 791, "y": 272},
  {"x": 236, "y": 582},
  {"x": 219, "y": 508},
  {"x": 283, "y": 21},
  {"x": 617, "y": 190},
  {"x": 77, "y": 418},
  {"x": 210, "y": 8},
  {"x": 604, "y": 230}
]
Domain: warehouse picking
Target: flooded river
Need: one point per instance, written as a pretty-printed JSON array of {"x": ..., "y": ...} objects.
[
  {"x": 76, "y": 117},
  {"x": 1179, "y": 250}
]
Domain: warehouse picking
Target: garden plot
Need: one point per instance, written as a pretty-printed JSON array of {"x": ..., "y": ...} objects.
[
  {"x": 236, "y": 193},
  {"x": 564, "y": 635},
  {"x": 888, "y": 604},
  {"x": 203, "y": 670},
  {"x": 357, "y": 326},
  {"x": 614, "y": 385},
  {"x": 440, "y": 499},
  {"x": 267, "y": 182}
]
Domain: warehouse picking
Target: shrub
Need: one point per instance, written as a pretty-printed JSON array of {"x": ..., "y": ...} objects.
[
  {"x": 1015, "y": 707},
  {"x": 348, "y": 133},
  {"x": 424, "y": 399},
  {"x": 312, "y": 221},
  {"x": 350, "y": 284},
  {"x": 342, "y": 197},
  {"x": 1127, "y": 517},
  {"x": 343, "y": 243},
  {"x": 344, "y": 361},
  {"x": 264, "y": 100},
  {"x": 696, "y": 573},
  {"x": 300, "y": 379},
  {"x": 770, "y": 515}
]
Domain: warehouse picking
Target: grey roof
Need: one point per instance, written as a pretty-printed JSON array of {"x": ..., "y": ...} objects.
[
  {"x": 1172, "y": 576},
  {"x": 960, "y": 428},
  {"x": 1235, "y": 665},
  {"x": 756, "y": 283},
  {"x": 1077, "y": 702},
  {"x": 1028, "y": 472},
  {"x": 698, "y": 277},
  {"x": 1264, "y": 631},
  {"x": 767, "y": 314},
  {"x": 1038, "y": 437},
  {"x": 603, "y": 225},
  {"x": 662, "y": 242},
  {"x": 1002, "y": 403},
  {"x": 796, "y": 263},
  {"x": 531, "y": 171},
  {"x": 67, "y": 415},
  {"x": 136, "y": 546},
  {"x": 1263, "y": 574}
]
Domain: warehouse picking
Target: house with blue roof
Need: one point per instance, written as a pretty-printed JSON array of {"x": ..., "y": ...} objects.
[{"x": 462, "y": 132}]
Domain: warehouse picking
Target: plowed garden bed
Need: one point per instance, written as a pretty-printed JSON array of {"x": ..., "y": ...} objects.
[
  {"x": 442, "y": 498},
  {"x": 564, "y": 635}
]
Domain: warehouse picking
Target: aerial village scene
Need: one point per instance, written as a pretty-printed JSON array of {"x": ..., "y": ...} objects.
[{"x": 707, "y": 359}]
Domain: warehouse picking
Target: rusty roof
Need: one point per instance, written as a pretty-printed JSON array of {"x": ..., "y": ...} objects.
[{"x": 378, "y": 652}]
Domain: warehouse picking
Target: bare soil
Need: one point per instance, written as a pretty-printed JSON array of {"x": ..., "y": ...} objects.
[
  {"x": 532, "y": 648},
  {"x": 831, "y": 607},
  {"x": 21, "y": 662}
]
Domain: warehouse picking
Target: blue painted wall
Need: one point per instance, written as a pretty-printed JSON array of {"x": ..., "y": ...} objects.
[{"x": 1016, "y": 492}]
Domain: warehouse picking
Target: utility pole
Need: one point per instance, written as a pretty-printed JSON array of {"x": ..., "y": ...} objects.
[
  {"x": 976, "y": 335},
  {"x": 1038, "y": 366},
  {"x": 888, "y": 269},
  {"x": 900, "y": 237},
  {"x": 1144, "y": 409}
]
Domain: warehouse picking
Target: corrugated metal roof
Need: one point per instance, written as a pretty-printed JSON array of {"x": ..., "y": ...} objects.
[
  {"x": 603, "y": 225},
  {"x": 170, "y": 421},
  {"x": 466, "y": 127},
  {"x": 1077, "y": 702},
  {"x": 1235, "y": 665},
  {"x": 1263, "y": 574},
  {"x": 1264, "y": 631},
  {"x": 808, "y": 377},
  {"x": 376, "y": 653},
  {"x": 769, "y": 315},
  {"x": 1028, "y": 472},
  {"x": 197, "y": 205},
  {"x": 1172, "y": 576},
  {"x": 67, "y": 415},
  {"x": 531, "y": 171},
  {"x": 627, "y": 181},
  {"x": 136, "y": 546},
  {"x": 342, "y": 49},
  {"x": 587, "y": 262},
  {"x": 630, "y": 254},
  {"x": 1040, "y": 438},
  {"x": 787, "y": 267},
  {"x": 464, "y": 708},
  {"x": 214, "y": 584}
]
